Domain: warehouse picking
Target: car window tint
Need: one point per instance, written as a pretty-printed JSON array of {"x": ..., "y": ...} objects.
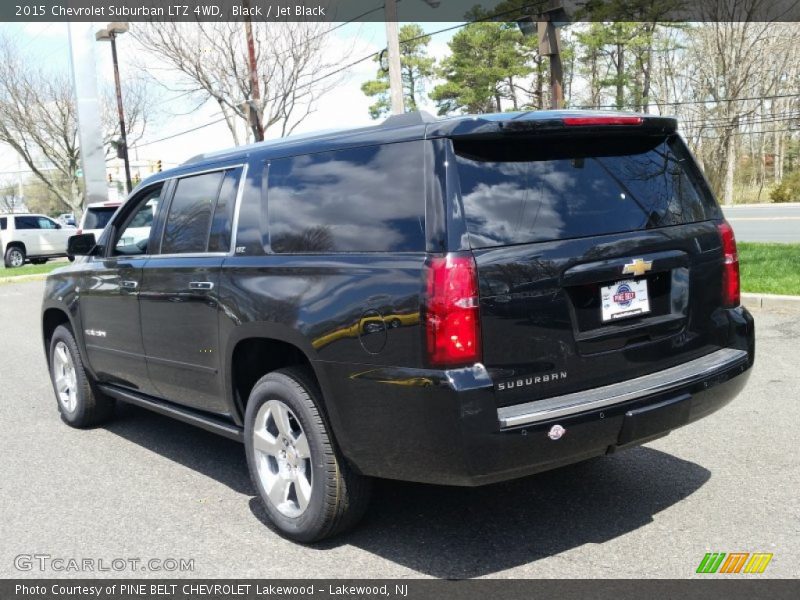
[
  {"x": 517, "y": 192},
  {"x": 3, "y": 222},
  {"x": 190, "y": 212},
  {"x": 368, "y": 199},
  {"x": 220, "y": 238},
  {"x": 98, "y": 217},
  {"x": 46, "y": 223},
  {"x": 26, "y": 222},
  {"x": 134, "y": 237}
]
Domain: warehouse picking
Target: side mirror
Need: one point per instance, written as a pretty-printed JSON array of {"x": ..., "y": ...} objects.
[{"x": 82, "y": 244}]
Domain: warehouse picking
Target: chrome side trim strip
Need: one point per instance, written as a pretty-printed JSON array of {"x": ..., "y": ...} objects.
[
  {"x": 237, "y": 206},
  {"x": 661, "y": 381}
]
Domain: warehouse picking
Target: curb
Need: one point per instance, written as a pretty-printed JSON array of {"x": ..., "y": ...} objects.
[
  {"x": 771, "y": 301},
  {"x": 21, "y": 278},
  {"x": 761, "y": 205}
]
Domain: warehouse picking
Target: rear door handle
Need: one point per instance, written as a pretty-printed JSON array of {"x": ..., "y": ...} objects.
[
  {"x": 201, "y": 285},
  {"x": 128, "y": 285}
]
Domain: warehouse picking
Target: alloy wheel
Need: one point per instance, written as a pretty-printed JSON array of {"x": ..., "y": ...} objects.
[
  {"x": 15, "y": 258},
  {"x": 283, "y": 458},
  {"x": 66, "y": 381}
]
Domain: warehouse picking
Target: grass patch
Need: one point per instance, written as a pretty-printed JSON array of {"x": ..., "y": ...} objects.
[
  {"x": 30, "y": 269},
  {"x": 770, "y": 268}
]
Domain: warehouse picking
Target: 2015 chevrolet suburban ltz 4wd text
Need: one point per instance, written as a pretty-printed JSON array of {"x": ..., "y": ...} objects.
[{"x": 457, "y": 301}]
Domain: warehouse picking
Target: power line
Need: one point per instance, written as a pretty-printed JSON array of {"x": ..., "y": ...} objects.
[
  {"x": 716, "y": 137},
  {"x": 354, "y": 63},
  {"x": 722, "y": 122},
  {"x": 180, "y": 133},
  {"x": 694, "y": 102}
]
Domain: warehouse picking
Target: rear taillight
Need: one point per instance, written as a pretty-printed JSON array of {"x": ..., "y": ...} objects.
[
  {"x": 452, "y": 323},
  {"x": 589, "y": 121},
  {"x": 730, "y": 266},
  {"x": 79, "y": 231}
]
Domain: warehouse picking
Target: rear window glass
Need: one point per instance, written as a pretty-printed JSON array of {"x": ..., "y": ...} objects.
[
  {"x": 368, "y": 199},
  {"x": 551, "y": 189},
  {"x": 98, "y": 218}
]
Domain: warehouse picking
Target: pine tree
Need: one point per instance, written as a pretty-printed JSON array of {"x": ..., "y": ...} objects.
[
  {"x": 416, "y": 68},
  {"x": 486, "y": 63}
]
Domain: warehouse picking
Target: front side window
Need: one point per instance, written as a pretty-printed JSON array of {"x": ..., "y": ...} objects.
[
  {"x": 368, "y": 199},
  {"x": 190, "y": 213},
  {"x": 45, "y": 223},
  {"x": 133, "y": 236}
]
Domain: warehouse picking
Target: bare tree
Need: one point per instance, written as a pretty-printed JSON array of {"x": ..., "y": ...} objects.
[
  {"x": 38, "y": 119},
  {"x": 730, "y": 54},
  {"x": 208, "y": 62},
  {"x": 8, "y": 196}
]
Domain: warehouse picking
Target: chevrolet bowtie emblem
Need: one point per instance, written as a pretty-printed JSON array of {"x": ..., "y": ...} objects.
[{"x": 637, "y": 267}]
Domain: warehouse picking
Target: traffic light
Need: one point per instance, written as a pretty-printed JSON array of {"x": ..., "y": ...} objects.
[{"x": 158, "y": 166}]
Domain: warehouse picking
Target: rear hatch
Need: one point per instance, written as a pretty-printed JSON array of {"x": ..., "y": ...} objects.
[{"x": 598, "y": 254}]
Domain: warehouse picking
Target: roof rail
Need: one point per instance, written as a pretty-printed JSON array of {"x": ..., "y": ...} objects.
[
  {"x": 195, "y": 158},
  {"x": 418, "y": 117}
]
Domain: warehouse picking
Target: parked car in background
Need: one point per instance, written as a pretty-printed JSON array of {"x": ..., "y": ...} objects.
[
  {"x": 31, "y": 237},
  {"x": 96, "y": 217},
  {"x": 459, "y": 302},
  {"x": 66, "y": 219}
]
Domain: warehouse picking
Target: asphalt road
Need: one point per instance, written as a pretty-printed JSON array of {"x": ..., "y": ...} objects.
[
  {"x": 765, "y": 223},
  {"x": 147, "y": 487}
]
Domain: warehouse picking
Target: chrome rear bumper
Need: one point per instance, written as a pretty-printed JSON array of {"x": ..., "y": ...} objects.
[{"x": 647, "y": 385}]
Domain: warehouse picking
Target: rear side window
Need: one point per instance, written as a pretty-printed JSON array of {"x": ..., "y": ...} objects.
[
  {"x": 98, "y": 217},
  {"x": 368, "y": 199},
  {"x": 3, "y": 223},
  {"x": 219, "y": 239},
  {"x": 26, "y": 222},
  {"x": 553, "y": 189},
  {"x": 189, "y": 218}
]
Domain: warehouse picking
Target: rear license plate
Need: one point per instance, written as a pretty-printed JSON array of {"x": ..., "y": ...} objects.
[{"x": 623, "y": 299}]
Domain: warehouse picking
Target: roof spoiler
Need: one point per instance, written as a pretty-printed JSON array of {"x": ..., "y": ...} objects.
[{"x": 555, "y": 123}]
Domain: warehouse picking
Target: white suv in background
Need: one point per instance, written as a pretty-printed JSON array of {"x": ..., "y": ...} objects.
[
  {"x": 31, "y": 237},
  {"x": 96, "y": 216}
]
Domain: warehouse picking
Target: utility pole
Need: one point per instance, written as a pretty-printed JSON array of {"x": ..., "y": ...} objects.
[
  {"x": 547, "y": 30},
  {"x": 109, "y": 34},
  {"x": 393, "y": 56},
  {"x": 254, "y": 106},
  {"x": 550, "y": 45}
]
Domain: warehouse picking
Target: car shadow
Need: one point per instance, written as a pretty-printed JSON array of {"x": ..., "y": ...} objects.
[
  {"x": 212, "y": 455},
  {"x": 452, "y": 532},
  {"x": 455, "y": 533}
]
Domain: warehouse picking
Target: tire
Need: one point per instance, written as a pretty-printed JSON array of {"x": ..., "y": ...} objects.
[
  {"x": 15, "y": 257},
  {"x": 308, "y": 490},
  {"x": 79, "y": 403}
]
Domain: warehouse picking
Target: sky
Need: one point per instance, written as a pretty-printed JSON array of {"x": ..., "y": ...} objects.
[{"x": 47, "y": 45}]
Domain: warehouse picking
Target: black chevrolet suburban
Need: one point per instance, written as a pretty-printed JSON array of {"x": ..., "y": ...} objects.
[{"x": 458, "y": 301}]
